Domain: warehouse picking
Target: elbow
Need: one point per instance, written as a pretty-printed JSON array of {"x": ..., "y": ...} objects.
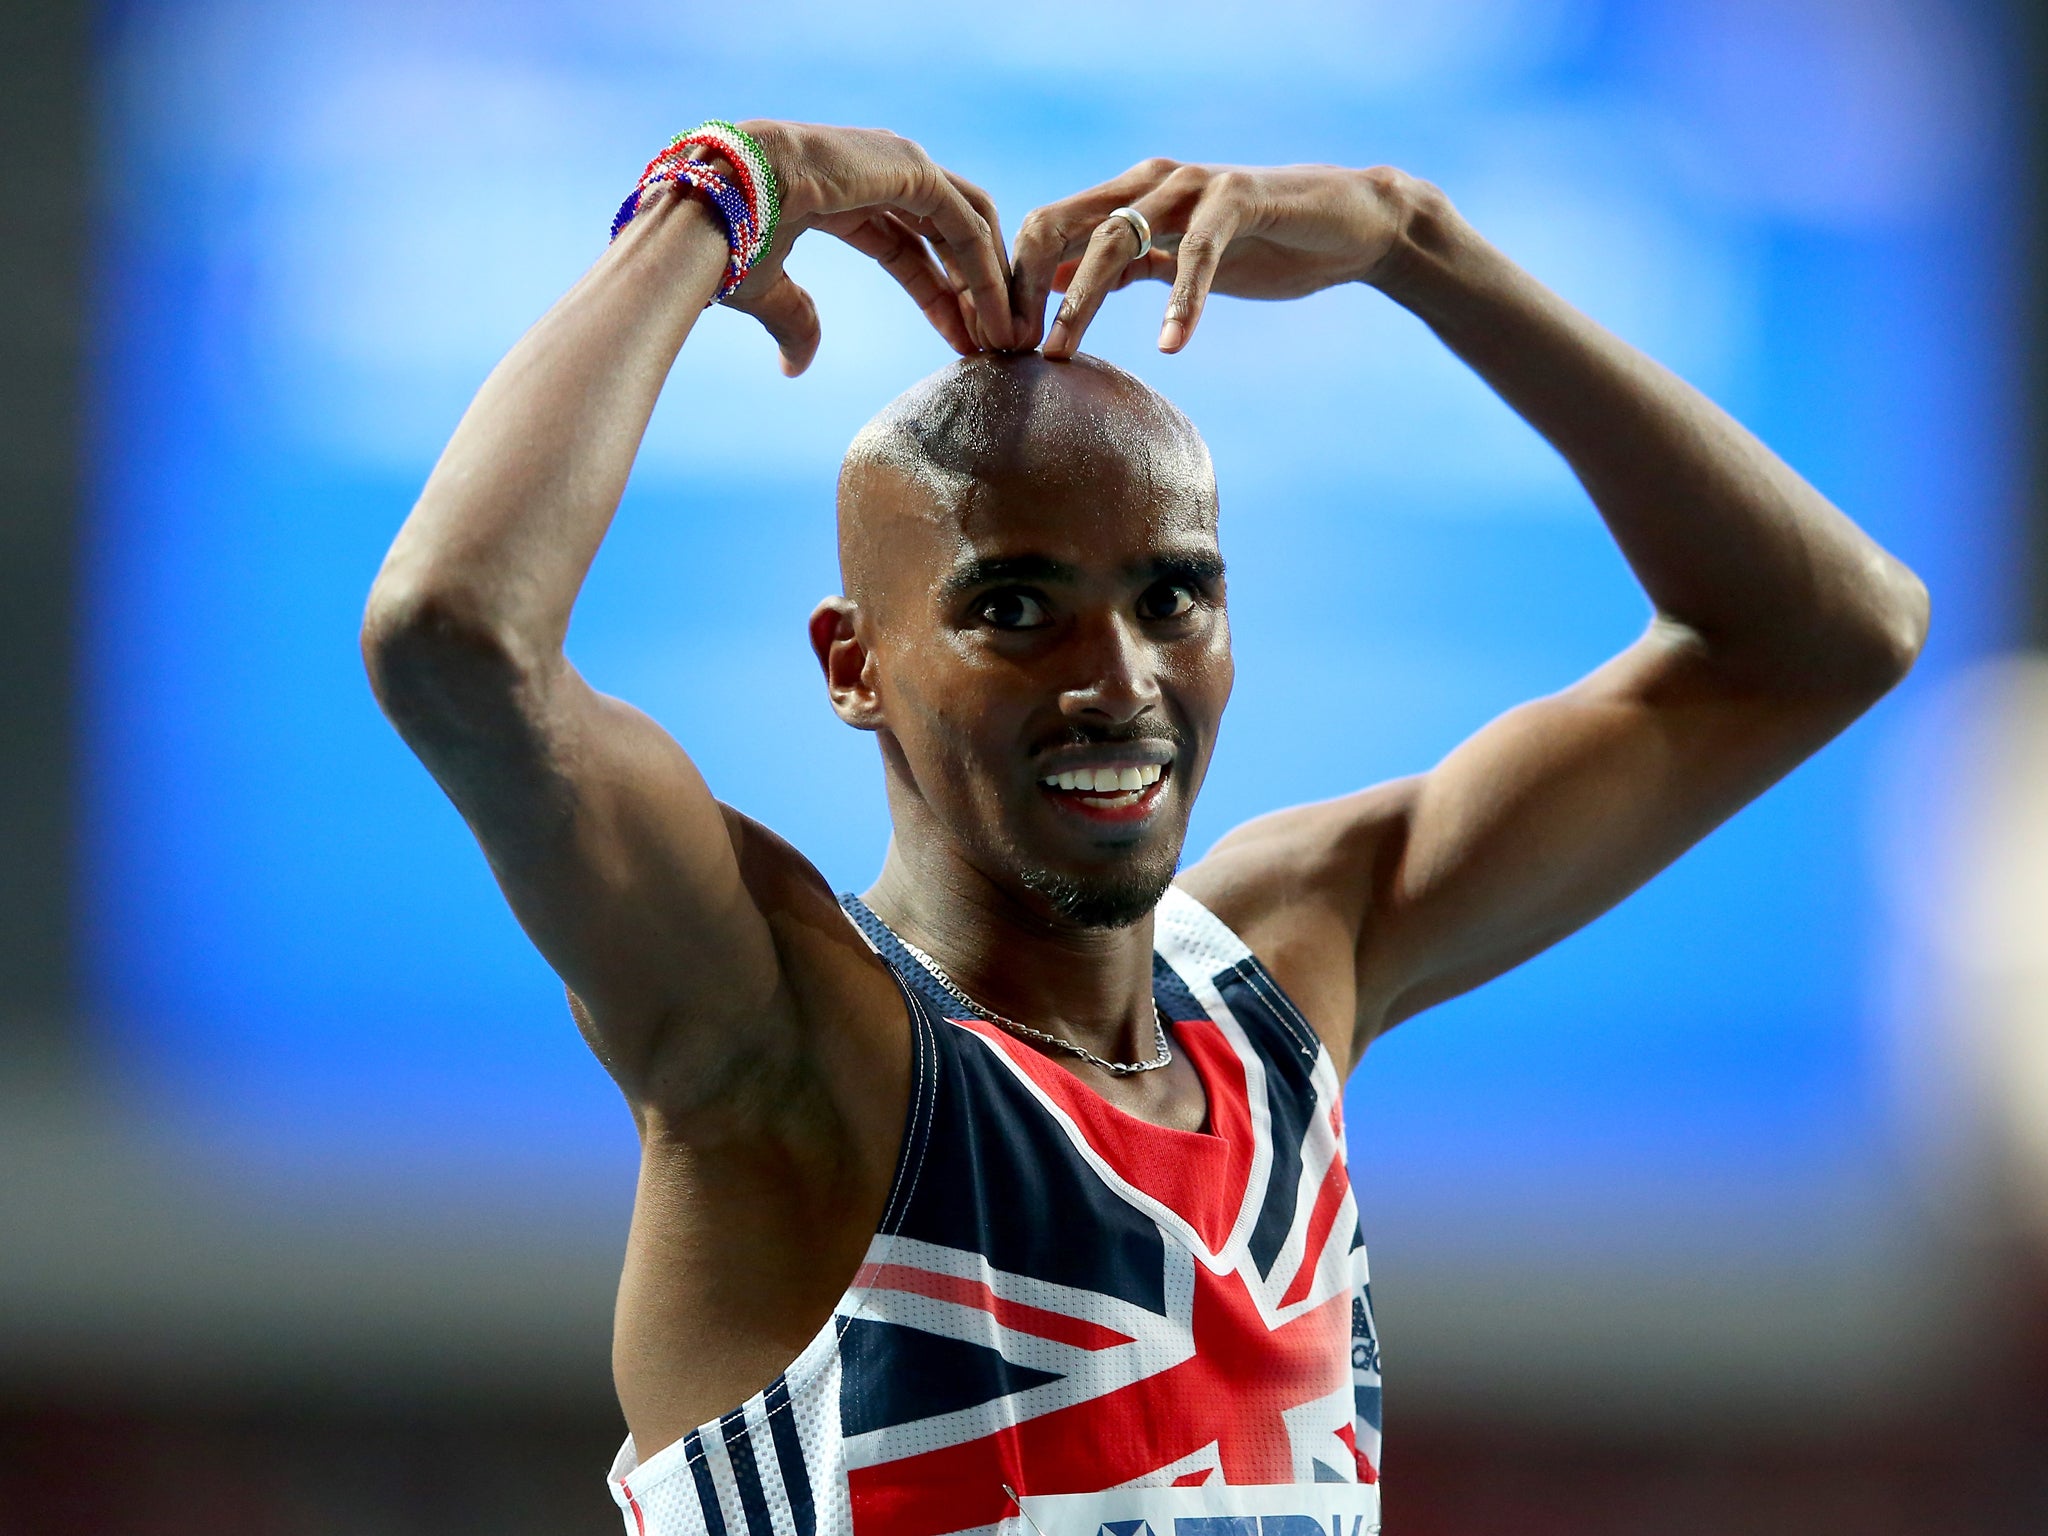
[
  {"x": 436, "y": 655},
  {"x": 1889, "y": 633},
  {"x": 1906, "y": 610}
]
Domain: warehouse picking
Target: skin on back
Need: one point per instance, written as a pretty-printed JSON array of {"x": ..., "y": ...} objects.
[{"x": 1034, "y": 629}]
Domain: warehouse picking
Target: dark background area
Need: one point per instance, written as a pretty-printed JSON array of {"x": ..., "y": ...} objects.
[{"x": 45, "y": 195}]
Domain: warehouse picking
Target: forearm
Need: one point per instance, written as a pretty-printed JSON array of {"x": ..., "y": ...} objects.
[
  {"x": 505, "y": 530},
  {"x": 1724, "y": 536}
]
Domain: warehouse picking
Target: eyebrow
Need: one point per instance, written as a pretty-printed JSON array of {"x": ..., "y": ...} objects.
[
  {"x": 1201, "y": 567},
  {"x": 970, "y": 574}
]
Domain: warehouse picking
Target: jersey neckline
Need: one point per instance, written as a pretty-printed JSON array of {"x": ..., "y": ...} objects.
[{"x": 1203, "y": 1179}]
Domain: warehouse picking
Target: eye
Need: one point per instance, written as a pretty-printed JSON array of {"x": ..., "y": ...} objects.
[
  {"x": 1168, "y": 600},
  {"x": 1013, "y": 610}
]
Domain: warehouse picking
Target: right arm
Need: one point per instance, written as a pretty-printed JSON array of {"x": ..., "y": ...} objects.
[{"x": 656, "y": 905}]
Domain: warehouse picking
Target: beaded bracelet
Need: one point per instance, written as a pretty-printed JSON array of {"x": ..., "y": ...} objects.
[
  {"x": 751, "y": 210},
  {"x": 750, "y": 162},
  {"x": 723, "y": 196}
]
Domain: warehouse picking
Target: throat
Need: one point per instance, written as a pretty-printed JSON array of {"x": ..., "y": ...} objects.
[
  {"x": 1080, "y": 999},
  {"x": 1002, "y": 955}
]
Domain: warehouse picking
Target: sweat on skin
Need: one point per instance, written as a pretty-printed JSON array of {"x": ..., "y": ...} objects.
[
  {"x": 1034, "y": 591},
  {"x": 1060, "y": 515}
]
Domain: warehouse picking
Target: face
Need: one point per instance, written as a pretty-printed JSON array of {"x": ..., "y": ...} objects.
[{"x": 1047, "y": 663}]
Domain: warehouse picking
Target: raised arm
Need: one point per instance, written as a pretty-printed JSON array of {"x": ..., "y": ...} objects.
[
  {"x": 1777, "y": 622},
  {"x": 664, "y": 912}
]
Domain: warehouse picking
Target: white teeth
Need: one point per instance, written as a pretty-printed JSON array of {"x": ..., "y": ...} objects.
[{"x": 1100, "y": 781}]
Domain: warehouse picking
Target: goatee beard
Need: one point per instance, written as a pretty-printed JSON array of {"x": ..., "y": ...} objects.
[{"x": 1111, "y": 901}]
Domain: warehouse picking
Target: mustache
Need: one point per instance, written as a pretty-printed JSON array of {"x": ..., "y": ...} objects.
[{"x": 1163, "y": 732}]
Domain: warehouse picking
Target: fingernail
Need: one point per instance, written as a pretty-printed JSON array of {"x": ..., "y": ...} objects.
[{"x": 1171, "y": 335}]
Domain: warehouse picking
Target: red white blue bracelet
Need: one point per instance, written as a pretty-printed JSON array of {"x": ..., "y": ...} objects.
[{"x": 750, "y": 202}]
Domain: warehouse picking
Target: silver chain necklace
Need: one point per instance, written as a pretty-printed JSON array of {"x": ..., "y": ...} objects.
[{"x": 1114, "y": 1068}]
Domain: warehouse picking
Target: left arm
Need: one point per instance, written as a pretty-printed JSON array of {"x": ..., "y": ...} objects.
[{"x": 1777, "y": 620}]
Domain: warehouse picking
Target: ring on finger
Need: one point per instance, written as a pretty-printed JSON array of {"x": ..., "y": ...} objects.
[{"x": 1139, "y": 226}]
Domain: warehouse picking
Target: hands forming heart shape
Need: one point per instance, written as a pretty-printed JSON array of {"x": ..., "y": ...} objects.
[{"x": 1260, "y": 233}]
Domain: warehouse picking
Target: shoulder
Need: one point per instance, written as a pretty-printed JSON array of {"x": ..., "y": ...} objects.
[
  {"x": 835, "y": 978},
  {"x": 816, "y": 1049},
  {"x": 1301, "y": 887}
]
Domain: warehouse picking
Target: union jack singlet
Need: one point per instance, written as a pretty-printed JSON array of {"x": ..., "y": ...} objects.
[{"x": 1071, "y": 1320}]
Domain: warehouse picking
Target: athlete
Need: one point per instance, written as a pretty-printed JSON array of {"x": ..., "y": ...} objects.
[{"x": 1010, "y": 1195}]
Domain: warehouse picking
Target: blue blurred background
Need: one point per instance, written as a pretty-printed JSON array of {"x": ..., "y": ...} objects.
[{"x": 1683, "y": 1172}]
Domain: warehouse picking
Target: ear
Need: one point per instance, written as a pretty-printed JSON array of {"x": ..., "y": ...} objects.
[{"x": 836, "y": 642}]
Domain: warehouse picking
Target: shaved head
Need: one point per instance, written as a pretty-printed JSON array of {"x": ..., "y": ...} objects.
[
  {"x": 1010, "y": 422},
  {"x": 1033, "y": 589}
]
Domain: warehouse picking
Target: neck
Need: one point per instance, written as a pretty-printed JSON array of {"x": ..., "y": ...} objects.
[{"x": 1012, "y": 955}]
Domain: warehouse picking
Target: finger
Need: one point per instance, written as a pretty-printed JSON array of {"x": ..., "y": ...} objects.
[
  {"x": 968, "y": 241},
  {"x": 995, "y": 331},
  {"x": 789, "y": 316},
  {"x": 1053, "y": 237},
  {"x": 1112, "y": 247},
  {"x": 1002, "y": 332},
  {"x": 1154, "y": 266},
  {"x": 1046, "y": 246},
  {"x": 897, "y": 248},
  {"x": 956, "y": 275},
  {"x": 1211, "y": 228}
]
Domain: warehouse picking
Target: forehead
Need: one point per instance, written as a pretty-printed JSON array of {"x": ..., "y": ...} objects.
[
  {"x": 992, "y": 460},
  {"x": 1101, "y": 525}
]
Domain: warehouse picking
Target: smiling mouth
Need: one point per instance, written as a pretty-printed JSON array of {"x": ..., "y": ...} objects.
[{"x": 1120, "y": 793}]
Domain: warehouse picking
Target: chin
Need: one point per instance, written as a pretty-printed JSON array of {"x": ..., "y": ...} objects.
[{"x": 1110, "y": 899}]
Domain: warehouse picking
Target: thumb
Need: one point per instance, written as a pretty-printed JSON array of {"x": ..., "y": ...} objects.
[{"x": 789, "y": 316}]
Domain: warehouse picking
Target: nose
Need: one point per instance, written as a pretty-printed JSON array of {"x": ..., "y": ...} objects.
[{"x": 1121, "y": 680}]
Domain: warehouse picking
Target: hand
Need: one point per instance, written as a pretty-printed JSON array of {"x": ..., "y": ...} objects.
[
  {"x": 1260, "y": 233},
  {"x": 935, "y": 233}
]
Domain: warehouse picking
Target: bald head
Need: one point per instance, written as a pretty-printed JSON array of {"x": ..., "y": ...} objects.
[
  {"x": 1031, "y": 566},
  {"x": 997, "y": 429}
]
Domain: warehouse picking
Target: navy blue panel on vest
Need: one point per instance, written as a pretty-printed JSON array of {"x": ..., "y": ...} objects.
[
  {"x": 746, "y": 1472},
  {"x": 1256, "y": 1004},
  {"x": 707, "y": 1489},
  {"x": 893, "y": 1375},
  {"x": 1172, "y": 992},
  {"x": 988, "y": 1137},
  {"x": 1365, "y": 1402},
  {"x": 789, "y": 1456}
]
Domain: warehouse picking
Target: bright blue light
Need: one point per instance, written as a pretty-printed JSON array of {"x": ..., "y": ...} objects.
[{"x": 325, "y": 223}]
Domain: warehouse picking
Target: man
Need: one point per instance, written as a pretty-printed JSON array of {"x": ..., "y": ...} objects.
[{"x": 1019, "y": 1200}]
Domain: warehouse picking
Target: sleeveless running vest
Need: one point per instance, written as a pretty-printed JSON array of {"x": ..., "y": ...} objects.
[{"x": 1070, "y": 1319}]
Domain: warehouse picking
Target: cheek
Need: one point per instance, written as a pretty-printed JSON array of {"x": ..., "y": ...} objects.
[
  {"x": 1225, "y": 669},
  {"x": 1205, "y": 681},
  {"x": 953, "y": 722}
]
